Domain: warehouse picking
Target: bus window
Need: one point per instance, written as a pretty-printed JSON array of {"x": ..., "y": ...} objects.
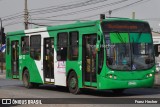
[
  {"x": 62, "y": 46},
  {"x": 35, "y": 47},
  {"x": 25, "y": 45},
  {"x": 73, "y": 45}
]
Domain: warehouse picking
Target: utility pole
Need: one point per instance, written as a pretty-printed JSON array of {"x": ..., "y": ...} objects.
[
  {"x": 110, "y": 12},
  {"x": 1, "y": 30},
  {"x": 1, "y": 56},
  {"x": 133, "y": 15},
  {"x": 26, "y": 15}
]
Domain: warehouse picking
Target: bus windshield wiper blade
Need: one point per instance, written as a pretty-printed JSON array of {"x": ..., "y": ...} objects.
[
  {"x": 120, "y": 37},
  {"x": 139, "y": 36}
]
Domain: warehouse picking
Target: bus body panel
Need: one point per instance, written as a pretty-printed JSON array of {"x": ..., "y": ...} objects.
[{"x": 124, "y": 84}]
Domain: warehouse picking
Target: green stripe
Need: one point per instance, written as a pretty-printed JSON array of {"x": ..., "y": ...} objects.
[
  {"x": 140, "y": 38},
  {"x": 119, "y": 37},
  {"x": 15, "y": 33}
]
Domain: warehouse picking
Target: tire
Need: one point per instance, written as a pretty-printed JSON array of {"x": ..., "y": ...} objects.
[
  {"x": 26, "y": 79},
  {"x": 35, "y": 85},
  {"x": 118, "y": 91},
  {"x": 73, "y": 83}
]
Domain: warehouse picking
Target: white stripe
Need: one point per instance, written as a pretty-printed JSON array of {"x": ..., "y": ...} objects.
[
  {"x": 36, "y": 30},
  {"x": 39, "y": 63}
]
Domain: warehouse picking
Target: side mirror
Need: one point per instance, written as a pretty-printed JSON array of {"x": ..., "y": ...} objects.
[{"x": 98, "y": 46}]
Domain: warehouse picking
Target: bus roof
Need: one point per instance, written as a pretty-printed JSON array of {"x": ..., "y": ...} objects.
[{"x": 69, "y": 26}]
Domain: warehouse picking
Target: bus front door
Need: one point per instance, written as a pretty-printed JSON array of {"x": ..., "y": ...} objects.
[
  {"x": 89, "y": 60},
  {"x": 48, "y": 60},
  {"x": 15, "y": 59}
]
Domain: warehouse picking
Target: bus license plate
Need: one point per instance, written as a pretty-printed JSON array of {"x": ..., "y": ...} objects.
[{"x": 132, "y": 83}]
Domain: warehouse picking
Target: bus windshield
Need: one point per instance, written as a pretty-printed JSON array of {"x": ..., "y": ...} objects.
[{"x": 128, "y": 49}]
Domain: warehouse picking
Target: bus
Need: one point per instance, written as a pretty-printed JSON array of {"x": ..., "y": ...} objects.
[{"x": 107, "y": 54}]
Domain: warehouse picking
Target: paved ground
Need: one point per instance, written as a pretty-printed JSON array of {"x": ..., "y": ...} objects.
[{"x": 15, "y": 89}]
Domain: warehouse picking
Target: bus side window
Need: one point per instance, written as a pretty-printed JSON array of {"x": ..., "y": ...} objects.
[
  {"x": 35, "y": 47},
  {"x": 62, "y": 46},
  {"x": 25, "y": 45},
  {"x": 73, "y": 46}
]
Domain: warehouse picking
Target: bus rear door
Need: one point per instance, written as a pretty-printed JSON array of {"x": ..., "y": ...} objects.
[{"x": 15, "y": 58}]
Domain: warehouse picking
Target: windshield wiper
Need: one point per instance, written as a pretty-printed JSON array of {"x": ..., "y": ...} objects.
[
  {"x": 120, "y": 37},
  {"x": 139, "y": 36}
]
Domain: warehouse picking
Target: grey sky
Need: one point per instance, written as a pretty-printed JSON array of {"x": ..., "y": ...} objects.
[{"x": 144, "y": 10}]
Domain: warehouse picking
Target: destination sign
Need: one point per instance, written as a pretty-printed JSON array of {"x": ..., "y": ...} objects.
[{"x": 125, "y": 26}]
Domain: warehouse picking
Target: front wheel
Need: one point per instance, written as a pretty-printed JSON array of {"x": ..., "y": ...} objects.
[
  {"x": 26, "y": 79},
  {"x": 73, "y": 83}
]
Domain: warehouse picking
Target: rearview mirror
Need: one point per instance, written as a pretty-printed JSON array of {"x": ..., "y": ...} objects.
[{"x": 98, "y": 46}]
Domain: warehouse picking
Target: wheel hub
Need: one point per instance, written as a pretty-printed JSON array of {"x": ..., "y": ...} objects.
[{"x": 73, "y": 83}]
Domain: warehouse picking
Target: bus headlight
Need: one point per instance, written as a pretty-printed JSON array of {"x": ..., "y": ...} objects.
[
  {"x": 111, "y": 76},
  {"x": 149, "y": 75},
  {"x": 115, "y": 77}
]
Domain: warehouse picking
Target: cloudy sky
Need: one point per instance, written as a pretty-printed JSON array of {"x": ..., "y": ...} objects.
[{"x": 54, "y": 12}]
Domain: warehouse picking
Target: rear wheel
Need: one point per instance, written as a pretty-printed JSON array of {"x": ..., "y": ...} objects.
[
  {"x": 35, "y": 85},
  {"x": 73, "y": 83},
  {"x": 26, "y": 79}
]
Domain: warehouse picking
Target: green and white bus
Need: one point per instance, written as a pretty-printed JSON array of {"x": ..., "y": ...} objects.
[{"x": 108, "y": 54}]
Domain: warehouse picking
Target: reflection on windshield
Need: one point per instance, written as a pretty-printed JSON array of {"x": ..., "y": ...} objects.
[
  {"x": 142, "y": 55},
  {"x": 128, "y": 56}
]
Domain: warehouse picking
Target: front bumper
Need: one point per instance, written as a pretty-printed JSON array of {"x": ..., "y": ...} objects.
[{"x": 106, "y": 83}]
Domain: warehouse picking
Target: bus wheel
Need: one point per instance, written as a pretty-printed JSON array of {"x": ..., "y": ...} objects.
[
  {"x": 73, "y": 83},
  {"x": 35, "y": 85},
  {"x": 118, "y": 91},
  {"x": 26, "y": 79}
]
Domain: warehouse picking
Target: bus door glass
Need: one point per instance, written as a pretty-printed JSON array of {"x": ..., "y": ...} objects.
[
  {"x": 48, "y": 60},
  {"x": 15, "y": 58},
  {"x": 89, "y": 58}
]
